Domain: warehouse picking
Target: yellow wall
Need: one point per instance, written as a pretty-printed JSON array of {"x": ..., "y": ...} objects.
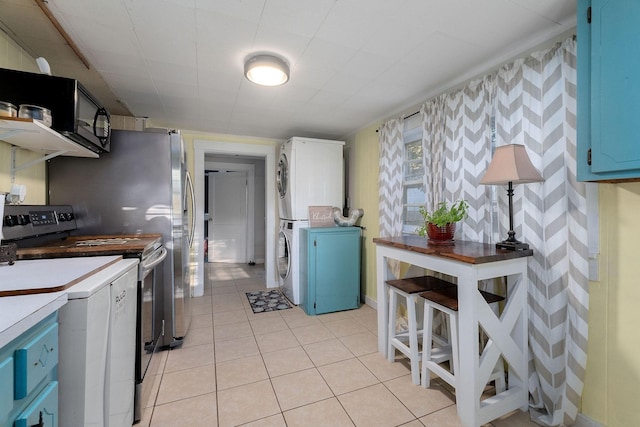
[
  {"x": 613, "y": 365},
  {"x": 14, "y": 57},
  {"x": 362, "y": 154}
]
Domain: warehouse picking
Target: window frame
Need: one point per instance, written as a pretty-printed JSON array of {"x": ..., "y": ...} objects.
[{"x": 411, "y": 134}]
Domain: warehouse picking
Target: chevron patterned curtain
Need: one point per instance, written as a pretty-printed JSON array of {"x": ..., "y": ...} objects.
[
  {"x": 467, "y": 154},
  {"x": 536, "y": 106},
  {"x": 433, "y": 130},
  {"x": 533, "y": 102},
  {"x": 390, "y": 177}
]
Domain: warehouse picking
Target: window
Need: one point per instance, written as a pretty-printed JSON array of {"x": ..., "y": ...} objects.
[{"x": 413, "y": 195}]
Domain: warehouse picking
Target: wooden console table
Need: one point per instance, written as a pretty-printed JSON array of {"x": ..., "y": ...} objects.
[{"x": 471, "y": 262}]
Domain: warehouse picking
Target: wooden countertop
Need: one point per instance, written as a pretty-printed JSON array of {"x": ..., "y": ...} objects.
[
  {"x": 463, "y": 251},
  {"x": 68, "y": 248}
]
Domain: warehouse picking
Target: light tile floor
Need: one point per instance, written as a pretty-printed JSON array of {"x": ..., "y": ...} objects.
[{"x": 288, "y": 369}]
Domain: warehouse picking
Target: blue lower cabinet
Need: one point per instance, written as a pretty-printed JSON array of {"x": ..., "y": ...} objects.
[
  {"x": 329, "y": 269},
  {"x": 35, "y": 359},
  {"x": 6, "y": 388},
  {"x": 29, "y": 377},
  {"x": 43, "y": 411}
]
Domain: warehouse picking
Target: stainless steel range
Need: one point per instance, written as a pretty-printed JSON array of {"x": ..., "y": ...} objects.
[{"x": 45, "y": 232}]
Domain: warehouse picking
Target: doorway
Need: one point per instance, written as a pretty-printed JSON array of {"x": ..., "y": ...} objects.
[
  {"x": 230, "y": 212},
  {"x": 268, "y": 237}
]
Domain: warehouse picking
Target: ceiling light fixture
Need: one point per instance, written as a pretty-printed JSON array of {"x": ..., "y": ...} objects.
[{"x": 266, "y": 70}]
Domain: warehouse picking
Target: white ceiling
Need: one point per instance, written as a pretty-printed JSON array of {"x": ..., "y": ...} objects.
[{"x": 180, "y": 62}]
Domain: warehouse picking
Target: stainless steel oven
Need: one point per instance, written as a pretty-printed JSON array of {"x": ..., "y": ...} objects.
[
  {"x": 148, "y": 340},
  {"x": 45, "y": 232}
]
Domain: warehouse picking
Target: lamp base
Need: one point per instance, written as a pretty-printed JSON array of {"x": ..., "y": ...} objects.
[{"x": 512, "y": 246}]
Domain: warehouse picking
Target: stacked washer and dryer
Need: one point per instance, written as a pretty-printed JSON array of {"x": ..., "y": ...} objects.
[{"x": 310, "y": 173}]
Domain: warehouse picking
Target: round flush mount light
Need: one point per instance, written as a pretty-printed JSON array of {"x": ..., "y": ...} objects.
[{"x": 266, "y": 70}]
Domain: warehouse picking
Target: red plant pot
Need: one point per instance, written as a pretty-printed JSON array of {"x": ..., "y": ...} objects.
[{"x": 441, "y": 235}]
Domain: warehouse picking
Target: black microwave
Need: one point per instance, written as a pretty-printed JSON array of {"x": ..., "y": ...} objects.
[{"x": 75, "y": 113}]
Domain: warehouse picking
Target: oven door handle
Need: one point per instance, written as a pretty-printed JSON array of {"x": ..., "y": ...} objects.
[{"x": 149, "y": 265}]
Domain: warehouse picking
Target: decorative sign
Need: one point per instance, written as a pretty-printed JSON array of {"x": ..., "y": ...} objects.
[{"x": 321, "y": 216}]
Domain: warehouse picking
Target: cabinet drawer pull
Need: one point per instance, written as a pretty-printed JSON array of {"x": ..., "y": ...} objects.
[{"x": 40, "y": 421}]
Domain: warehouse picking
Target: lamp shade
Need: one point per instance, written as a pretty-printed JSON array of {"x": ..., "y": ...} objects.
[
  {"x": 266, "y": 70},
  {"x": 510, "y": 163}
]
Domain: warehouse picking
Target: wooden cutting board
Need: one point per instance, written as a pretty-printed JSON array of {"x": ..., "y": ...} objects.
[{"x": 49, "y": 275}]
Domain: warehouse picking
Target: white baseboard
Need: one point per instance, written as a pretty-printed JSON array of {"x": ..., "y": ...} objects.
[
  {"x": 371, "y": 302},
  {"x": 584, "y": 421}
]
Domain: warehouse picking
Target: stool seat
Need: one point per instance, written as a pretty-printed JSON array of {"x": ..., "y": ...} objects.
[
  {"x": 406, "y": 341},
  {"x": 448, "y": 297},
  {"x": 412, "y": 285},
  {"x": 445, "y": 300}
]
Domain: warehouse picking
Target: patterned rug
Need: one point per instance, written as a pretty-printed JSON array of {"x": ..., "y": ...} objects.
[{"x": 265, "y": 301}]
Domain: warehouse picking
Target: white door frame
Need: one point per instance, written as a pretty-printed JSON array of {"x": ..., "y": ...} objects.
[
  {"x": 250, "y": 170},
  {"x": 202, "y": 147}
]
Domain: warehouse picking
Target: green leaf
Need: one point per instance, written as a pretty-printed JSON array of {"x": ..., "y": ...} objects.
[{"x": 443, "y": 214}]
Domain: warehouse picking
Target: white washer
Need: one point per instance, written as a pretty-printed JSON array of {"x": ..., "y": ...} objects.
[
  {"x": 310, "y": 173},
  {"x": 289, "y": 258},
  {"x": 97, "y": 336}
]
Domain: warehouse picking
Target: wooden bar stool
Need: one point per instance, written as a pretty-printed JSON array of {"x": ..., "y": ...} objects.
[
  {"x": 406, "y": 341},
  {"x": 446, "y": 301}
]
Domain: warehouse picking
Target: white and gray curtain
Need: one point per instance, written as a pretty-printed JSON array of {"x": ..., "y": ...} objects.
[
  {"x": 390, "y": 178},
  {"x": 532, "y": 102}
]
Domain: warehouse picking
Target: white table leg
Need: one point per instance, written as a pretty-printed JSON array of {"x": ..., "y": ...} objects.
[
  {"x": 383, "y": 273},
  {"x": 467, "y": 399}
]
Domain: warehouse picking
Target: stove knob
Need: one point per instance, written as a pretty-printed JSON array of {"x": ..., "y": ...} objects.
[
  {"x": 23, "y": 219},
  {"x": 68, "y": 216},
  {"x": 10, "y": 220},
  {"x": 63, "y": 216}
]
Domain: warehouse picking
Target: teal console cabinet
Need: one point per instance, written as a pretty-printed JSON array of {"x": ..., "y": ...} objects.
[
  {"x": 329, "y": 269},
  {"x": 608, "y": 93}
]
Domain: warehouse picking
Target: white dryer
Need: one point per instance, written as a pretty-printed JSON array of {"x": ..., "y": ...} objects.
[
  {"x": 310, "y": 173},
  {"x": 289, "y": 258}
]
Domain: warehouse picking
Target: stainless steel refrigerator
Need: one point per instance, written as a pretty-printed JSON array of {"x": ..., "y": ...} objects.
[{"x": 140, "y": 186}]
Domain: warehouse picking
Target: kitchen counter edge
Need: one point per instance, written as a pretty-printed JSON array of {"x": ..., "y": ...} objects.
[{"x": 20, "y": 313}]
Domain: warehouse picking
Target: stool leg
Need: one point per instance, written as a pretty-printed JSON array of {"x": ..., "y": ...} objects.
[
  {"x": 413, "y": 340},
  {"x": 453, "y": 339},
  {"x": 391, "y": 329},
  {"x": 427, "y": 336}
]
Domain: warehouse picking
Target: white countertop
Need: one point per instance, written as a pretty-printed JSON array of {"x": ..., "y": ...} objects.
[
  {"x": 19, "y": 313},
  {"x": 49, "y": 274}
]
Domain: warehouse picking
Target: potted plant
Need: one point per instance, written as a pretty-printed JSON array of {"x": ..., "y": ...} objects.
[{"x": 440, "y": 224}]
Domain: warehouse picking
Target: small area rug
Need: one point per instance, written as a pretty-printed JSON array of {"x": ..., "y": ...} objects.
[{"x": 265, "y": 301}]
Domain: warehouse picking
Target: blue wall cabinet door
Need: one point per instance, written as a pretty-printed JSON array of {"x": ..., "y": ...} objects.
[
  {"x": 329, "y": 269},
  {"x": 608, "y": 110}
]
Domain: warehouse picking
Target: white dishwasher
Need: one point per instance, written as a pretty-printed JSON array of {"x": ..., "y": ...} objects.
[{"x": 97, "y": 348}]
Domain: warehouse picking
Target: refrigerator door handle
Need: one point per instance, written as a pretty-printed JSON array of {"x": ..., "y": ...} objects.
[{"x": 192, "y": 232}]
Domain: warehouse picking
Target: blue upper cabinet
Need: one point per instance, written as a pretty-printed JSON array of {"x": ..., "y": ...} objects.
[{"x": 608, "y": 117}]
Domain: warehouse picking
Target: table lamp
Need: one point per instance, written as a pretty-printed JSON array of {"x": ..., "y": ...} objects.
[{"x": 511, "y": 164}]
